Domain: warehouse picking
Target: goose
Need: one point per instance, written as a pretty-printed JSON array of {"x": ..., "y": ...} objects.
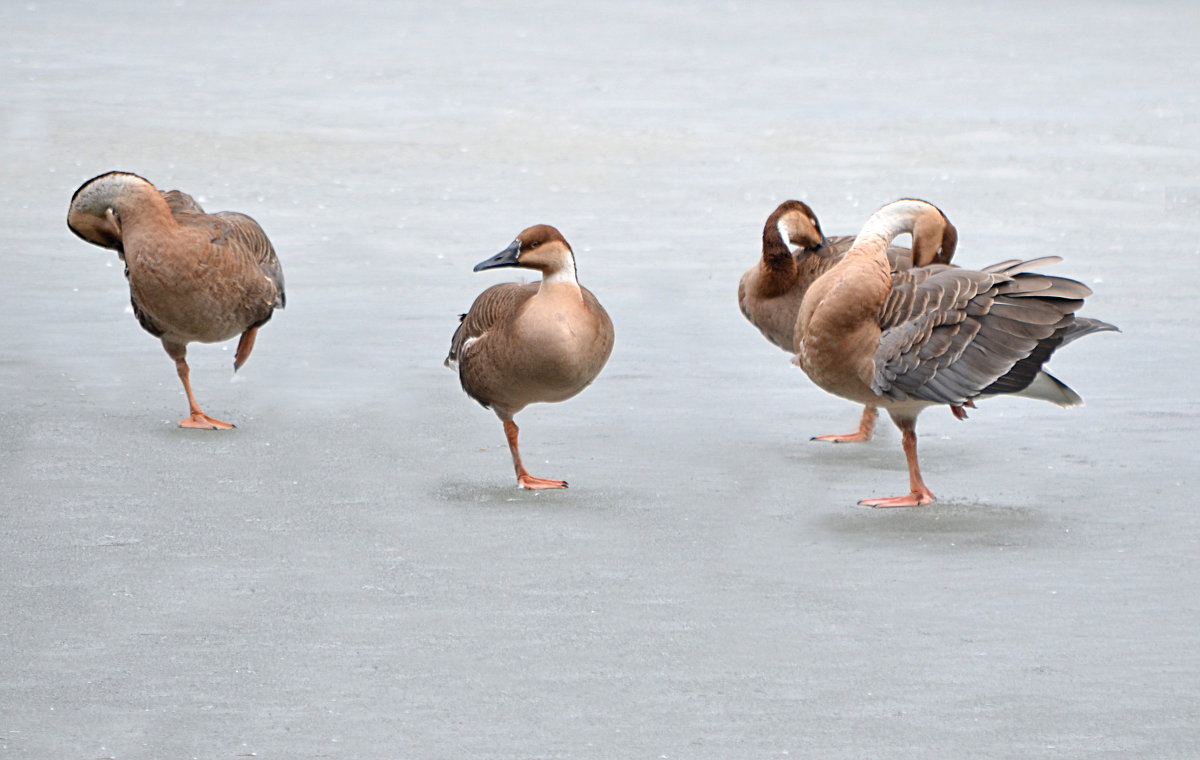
[
  {"x": 795, "y": 253},
  {"x": 936, "y": 334},
  {"x": 193, "y": 276},
  {"x": 521, "y": 343}
]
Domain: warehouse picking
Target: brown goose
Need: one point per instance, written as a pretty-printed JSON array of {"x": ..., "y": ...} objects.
[
  {"x": 192, "y": 276},
  {"x": 934, "y": 335},
  {"x": 524, "y": 343},
  {"x": 795, "y": 253}
]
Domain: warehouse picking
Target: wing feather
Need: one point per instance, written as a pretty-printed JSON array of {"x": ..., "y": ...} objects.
[
  {"x": 491, "y": 306},
  {"x": 243, "y": 231},
  {"x": 236, "y": 229},
  {"x": 951, "y": 334}
]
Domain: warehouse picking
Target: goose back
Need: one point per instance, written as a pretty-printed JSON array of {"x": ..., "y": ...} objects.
[{"x": 234, "y": 228}]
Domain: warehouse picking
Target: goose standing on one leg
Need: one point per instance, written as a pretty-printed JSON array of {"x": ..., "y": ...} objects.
[
  {"x": 525, "y": 343},
  {"x": 795, "y": 253},
  {"x": 935, "y": 334},
  {"x": 193, "y": 277}
]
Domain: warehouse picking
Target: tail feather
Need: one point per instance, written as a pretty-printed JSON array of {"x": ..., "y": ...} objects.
[
  {"x": 1085, "y": 326},
  {"x": 1047, "y": 387}
]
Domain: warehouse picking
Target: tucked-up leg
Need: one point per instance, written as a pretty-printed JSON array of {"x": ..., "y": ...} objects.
[
  {"x": 919, "y": 494},
  {"x": 245, "y": 346},
  {"x": 524, "y": 479},
  {"x": 866, "y": 428},
  {"x": 960, "y": 412},
  {"x": 198, "y": 418}
]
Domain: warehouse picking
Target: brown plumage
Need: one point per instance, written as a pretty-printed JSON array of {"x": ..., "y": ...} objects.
[
  {"x": 934, "y": 335},
  {"x": 525, "y": 343},
  {"x": 192, "y": 276},
  {"x": 795, "y": 253}
]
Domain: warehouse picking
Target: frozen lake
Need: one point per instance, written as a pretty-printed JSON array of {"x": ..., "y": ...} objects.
[{"x": 352, "y": 573}]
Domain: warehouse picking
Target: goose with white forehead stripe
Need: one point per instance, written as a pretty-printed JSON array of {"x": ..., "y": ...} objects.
[{"x": 795, "y": 253}]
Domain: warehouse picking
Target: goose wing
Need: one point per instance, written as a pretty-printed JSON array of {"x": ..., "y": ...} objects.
[
  {"x": 245, "y": 234},
  {"x": 950, "y": 334},
  {"x": 180, "y": 202},
  {"x": 234, "y": 229},
  {"x": 493, "y": 305}
]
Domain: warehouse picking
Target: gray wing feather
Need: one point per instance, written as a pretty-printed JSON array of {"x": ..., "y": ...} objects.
[
  {"x": 1016, "y": 266},
  {"x": 951, "y": 334}
]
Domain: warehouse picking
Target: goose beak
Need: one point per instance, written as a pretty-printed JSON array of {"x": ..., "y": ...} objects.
[{"x": 506, "y": 258}]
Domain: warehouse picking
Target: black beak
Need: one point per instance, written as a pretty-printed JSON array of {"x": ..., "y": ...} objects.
[{"x": 506, "y": 258}]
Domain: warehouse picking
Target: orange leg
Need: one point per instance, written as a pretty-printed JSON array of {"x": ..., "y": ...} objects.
[
  {"x": 524, "y": 479},
  {"x": 866, "y": 428},
  {"x": 919, "y": 494},
  {"x": 245, "y": 346},
  {"x": 198, "y": 418}
]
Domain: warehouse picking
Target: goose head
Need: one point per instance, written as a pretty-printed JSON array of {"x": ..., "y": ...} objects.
[
  {"x": 95, "y": 212},
  {"x": 934, "y": 238},
  {"x": 541, "y": 248},
  {"x": 794, "y": 225}
]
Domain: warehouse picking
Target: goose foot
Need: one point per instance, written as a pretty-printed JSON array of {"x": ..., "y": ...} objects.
[
  {"x": 918, "y": 493},
  {"x": 198, "y": 419},
  {"x": 858, "y": 437},
  {"x": 525, "y": 480},
  {"x": 914, "y": 499},
  {"x": 866, "y": 427},
  {"x": 201, "y": 421}
]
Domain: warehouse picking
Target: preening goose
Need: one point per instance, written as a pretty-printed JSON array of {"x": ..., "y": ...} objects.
[
  {"x": 934, "y": 335},
  {"x": 525, "y": 343},
  {"x": 795, "y": 253},
  {"x": 192, "y": 276}
]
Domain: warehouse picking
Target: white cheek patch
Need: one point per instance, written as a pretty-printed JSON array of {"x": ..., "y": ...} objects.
[{"x": 786, "y": 235}]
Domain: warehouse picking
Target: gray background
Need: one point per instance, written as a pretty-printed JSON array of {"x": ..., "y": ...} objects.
[{"x": 352, "y": 573}]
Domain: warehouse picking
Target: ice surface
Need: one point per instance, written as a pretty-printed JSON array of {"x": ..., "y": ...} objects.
[{"x": 351, "y": 573}]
